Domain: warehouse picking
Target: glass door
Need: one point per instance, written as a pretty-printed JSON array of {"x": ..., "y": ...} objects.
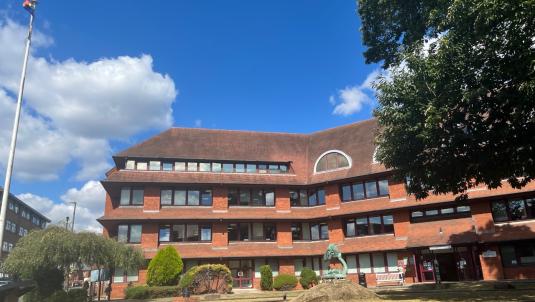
[{"x": 242, "y": 273}]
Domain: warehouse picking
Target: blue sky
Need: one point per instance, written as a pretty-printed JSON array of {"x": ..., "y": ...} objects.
[{"x": 291, "y": 66}]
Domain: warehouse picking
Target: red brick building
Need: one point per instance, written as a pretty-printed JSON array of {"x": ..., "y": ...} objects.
[{"x": 249, "y": 198}]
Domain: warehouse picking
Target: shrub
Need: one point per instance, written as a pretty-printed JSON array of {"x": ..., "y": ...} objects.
[
  {"x": 207, "y": 278},
  {"x": 284, "y": 282},
  {"x": 266, "y": 277},
  {"x": 75, "y": 295},
  {"x": 308, "y": 278},
  {"x": 145, "y": 292},
  {"x": 164, "y": 268}
]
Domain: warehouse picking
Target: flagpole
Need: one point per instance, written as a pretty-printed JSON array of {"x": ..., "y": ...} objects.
[{"x": 9, "y": 168}]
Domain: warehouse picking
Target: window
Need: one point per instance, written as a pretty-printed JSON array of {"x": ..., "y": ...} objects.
[
  {"x": 130, "y": 164},
  {"x": 192, "y": 166},
  {"x": 239, "y": 168},
  {"x": 7, "y": 246},
  {"x": 332, "y": 161},
  {"x": 251, "y": 168},
  {"x": 251, "y": 197},
  {"x": 141, "y": 166},
  {"x": 186, "y": 197},
  {"x": 180, "y": 166},
  {"x": 378, "y": 262},
  {"x": 155, "y": 165},
  {"x": 185, "y": 233},
  {"x": 518, "y": 253},
  {"x": 121, "y": 276},
  {"x": 252, "y": 231},
  {"x": 445, "y": 212},
  {"x": 131, "y": 196},
  {"x": 216, "y": 167},
  {"x": 515, "y": 209},
  {"x": 310, "y": 231},
  {"x": 166, "y": 166},
  {"x": 360, "y": 190},
  {"x": 130, "y": 233},
  {"x": 23, "y": 232},
  {"x": 228, "y": 168},
  {"x": 370, "y": 225},
  {"x": 372, "y": 262},
  {"x": 204, "y": 167},
  {"x": 299, "y": 198}
]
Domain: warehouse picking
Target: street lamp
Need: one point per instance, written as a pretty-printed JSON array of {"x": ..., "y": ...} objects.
[
  {"x": 29, "y": 5},
  {"x": 73, "y": 214}
]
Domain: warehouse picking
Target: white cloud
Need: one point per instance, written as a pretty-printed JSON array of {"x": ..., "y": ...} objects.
[
  {"x": 198, "y": 123},
  {"x": 73, "y": 109},
  {"x": 352, "y": 99},
  {"x": 90, "y": 205}
]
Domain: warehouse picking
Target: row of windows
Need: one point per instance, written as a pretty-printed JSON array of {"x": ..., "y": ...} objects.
[
  {"x": 369, "y": 225},
  {"x": 194, "y": 166},
  {"x": 515, "y": 209},
  {"x": 307, "y": 198},
  {"x": 517, "y": 254},
  {"x": 7, "y": 246},
  {"x": 255, "y": 231},
  {"x": 310, "y": 231},
  {"x": 359, "y": 263},
  {"x": 121, "y": 276},
  {"x": 186, "y": 197},
  {"x": 251, "y": 197},
  {"x": 25, "y": 213},
  {"x": 11, "y": 226},
  {"x": 363, "y": 190},
  {"x": 185, "y": 232},
  {"x": 445, "y": 212}
]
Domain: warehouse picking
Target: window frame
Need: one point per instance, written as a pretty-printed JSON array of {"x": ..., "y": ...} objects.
[
  {"x": 319, "y": 224},
  {"x": 353, "y": 220},
  {"x": 309, "y": 192},
  {"x": 440, "y": 216},
  {"x": 324, "y": 156},
  {"x": 187, "y": 190},
  {"x": 251, "y": 232},
  {"x": 364, "y": 189},
  {"x": 372, "y": 264},
  {"x": 131, "y": 196},
  {"x": 529, "y": 214},
  {"x": 250, "y": 203},
  {"x": 516, "y": 246},
  {"x": 185, "y": 231},
  {"x": 129, "y": 232}
]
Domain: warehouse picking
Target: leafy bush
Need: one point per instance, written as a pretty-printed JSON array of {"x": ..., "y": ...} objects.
[
  {"x": 266, "y": 277},
  {"x": 164, "y": 268},
  {"x": 146, "y": 292},
  {"x": 75, "y": 295},
  {"x": 284, "y": 282},
  {"x": 308, "y": 278},
  {"x": 207, "y": 278}
]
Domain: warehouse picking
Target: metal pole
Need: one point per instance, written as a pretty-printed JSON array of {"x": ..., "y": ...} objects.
[
  {"x": 73, "y": 215},
  {"x": 9, "y": 168}
]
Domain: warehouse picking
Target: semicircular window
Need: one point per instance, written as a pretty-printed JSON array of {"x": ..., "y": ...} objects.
[{"x": 332, "y": 160}]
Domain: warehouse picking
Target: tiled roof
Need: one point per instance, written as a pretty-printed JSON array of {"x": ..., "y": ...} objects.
[{"x": 301, "y": 150}]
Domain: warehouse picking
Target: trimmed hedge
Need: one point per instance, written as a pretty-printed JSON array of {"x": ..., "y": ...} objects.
[
  {"x": 165, "y": 268},
  {"x": 285, "y": 282},
  {"x": 266, "y": 277},
  {"x": 207, "y": 278},
  {"x": 146, "y": 292},
  {"x": 308, "y": 278},
  {"x": 73, "y": 295}
]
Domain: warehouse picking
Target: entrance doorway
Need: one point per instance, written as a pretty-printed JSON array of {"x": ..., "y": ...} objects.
[
  {"x": 242, "y": 273},
  {"x": 446, "y": 264}
]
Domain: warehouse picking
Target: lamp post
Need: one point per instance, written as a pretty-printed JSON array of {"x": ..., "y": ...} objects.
[
  {"x": 29, "y": 5},
  {"x": 73, "y": 214}
]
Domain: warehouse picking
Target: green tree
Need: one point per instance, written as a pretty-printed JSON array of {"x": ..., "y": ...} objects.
[
  {"x": 43, "y": 253},
  {"x": 308, "y": 278},
  {"x": 266, "y": 277},
  {"x": 457, "y": 102},
  {"x": 165, "y": 268}
]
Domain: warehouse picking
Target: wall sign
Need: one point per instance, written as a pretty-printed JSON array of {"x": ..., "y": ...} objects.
[{"x": 489, "y": 254}]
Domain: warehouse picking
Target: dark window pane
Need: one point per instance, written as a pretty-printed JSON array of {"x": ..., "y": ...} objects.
[
  {"x": 283, "y": 168},
  {"x": 447, "y": 211},
  {"x": 321, "y": 196},
  {"x": 525, "y": 253},
  {"x": 383, "y": 187},
  {"x": 193, "y": 197},
  {"x": 375, "y": 225},
  {"x": 244, "y": 231},
  {"x": 135, "y": 233},
  {"x": 257, "y": 197},
  {"x": 303, "y": 198},
  {"x": 192, "y": 232},
  {"x": 431, "y": 212},
  {"x": 165, "y": 231},
  {"x": 461, "y": 209},
  {"x": 206, "y": 233},
  {"x": 166, "y": 197},
  {"x": 228, "y": 168},
  {"x": 350, "y": 228},
  {"x": 232, "y": 230},
  {"x": 362, "y": 226},
  {"x": 125, "y": 196},
  {"x": 258, "y": 231},
  {"x": 416, "y": 214},
  {"x": 178, "y": 232},
  {"x": 270, "y": 231},
  {"x": 517, "y": 209},
  {"x": 274, "y": 169},
  {"x": 346, "y": 193},
  {"x": 315, "y": 232},
  {"x": 232, "y": 197},
  {"x": 312, "y": 198},
  {"x": 137, "y": 196},
  {"x": 499, "y": 211},
  {"x": 371, "y": 189},
  {"x": 508, "y": 255},
  {"x": 270, "y": 198},
  {"x": 167, "y": 166},
  {"x": 358, "y": 191},
  {"x": 305, "y": 228},
  {"x": 324, "y": 231},
  {"x": 388, "y": 223},
  {"x": 294, "y": 198},
  {"x": 296, "y": 231},
  {"x": 206, "y": 197},
  {"x": 530, "y": 207},
  {"x": 245, "y": 197}
]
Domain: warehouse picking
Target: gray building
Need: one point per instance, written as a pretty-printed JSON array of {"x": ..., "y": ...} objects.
[{"x": 20, "y": 220}]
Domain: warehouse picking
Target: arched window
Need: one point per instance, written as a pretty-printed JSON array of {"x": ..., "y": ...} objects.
[{"x": 332, "y": 160}]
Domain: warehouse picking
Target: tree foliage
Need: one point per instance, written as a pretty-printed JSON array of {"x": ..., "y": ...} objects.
[
  {"x": 165, "y": 268},
  {"x": 308, "y": 278},
  {"x": 284, "y": 282},
  {"x": 457, "y": 102},
  {"x": 41, "y": 254},
  {"x": 207, "y": 278},
  {"x": 266, "y": 277}
]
